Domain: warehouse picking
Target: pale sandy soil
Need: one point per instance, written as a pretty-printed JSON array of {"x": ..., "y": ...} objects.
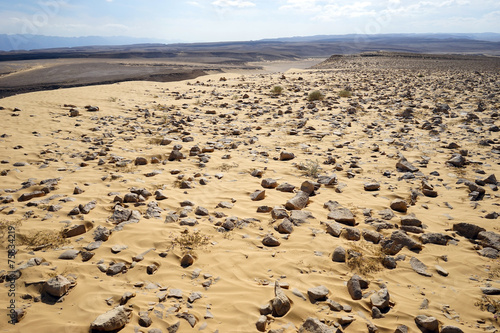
[{"x": 243, "y": 128}]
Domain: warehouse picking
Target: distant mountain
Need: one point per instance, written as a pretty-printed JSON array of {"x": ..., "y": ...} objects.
[
  {"x": 36, "y": 42},
  {"x": 487, "y": 36}
]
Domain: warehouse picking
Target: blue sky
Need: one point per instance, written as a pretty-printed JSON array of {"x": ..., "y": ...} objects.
[{"x": 222, "y": 20}]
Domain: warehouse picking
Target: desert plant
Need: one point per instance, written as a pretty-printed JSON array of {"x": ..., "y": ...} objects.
[
  {"x": 44, "y": 239},
  {"x": 189, "y": 241},
  {"x": 277, "y": 90},
  {"x": 345, "y": 93},
  {"x": 364, "y": 258},
  {"x": 310, "y": 168},
  {"x": 488, "y": 304},
  {"x": 315, "y": 95}
]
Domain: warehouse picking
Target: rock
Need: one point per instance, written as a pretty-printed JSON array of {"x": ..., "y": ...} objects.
[
  {"x": 352, "y": 234},
  {"x": 401, "y": 238},
  {"x": 372, "y": 236},
  {"x": 279, "y": 213},
  {"x": 258, "y": 195},
  {"x": 285, "y": 227},
  {"x": 269, "y": 183},
  {"x": 298, "y": 202},
  {"x": 441, "y": 271},
  {"x": 120, "y": 214},
  {"x": 489, "y": 239},
  {"x": 141, "y": 161},
  {"x": 308, "y": 187},
  {"x": 405, "y": 166},
  {"x": 457, "y": 160},
  {"x": 286, "y": 156},
  {"x": 339, "y": 254},
  {"x": 194, "y": 296},
  {"x": 101, "y": 233},
  {"x": 57, "y": 286},
  {"x": 187, "y": 260},
  {"x": 285, "y": 187},
  {"x": 431, "y": 324},
  {"x": 78, "y": 190},
  {"x": 85, "y": 209},
  {"x": 372, "y": 186},
  {"x": 491, "y": 291},
  {"x": 313, "y": 325},
  {"x": 74, "y": 230},
  {"x": 399, "y": 205},
  {"x": 401, "y": 329},
  {"x": 270, "y": 241},
  {"x": 435, "y": 238},
  {"x": 74, "y": 112},
  {"x": 467, "y": 230},
  {"x": 342, "y": 215},
  {"x": 281, "y": 304},
  {"x": 419, "y": 267},
  {"x": 126, "y": 297},
  {"x": 201, "y": 211},
  {"x": 389, "y": 262},
  {"x": 354, "y": 287},
  {"x": 451, "y": 329},
  {"x": 87, "y": 255},
  {"x": 144, "y": 319},
  {"x": 376, "y": 313},
  {"x": 489, "y": 252},
  {"x": 410, "y": 220},
  {"x": 159, "y": 195},
  {"x": 334, "y": 229},
  {"x": 116, "y": 268},
  {"x": 69, "y": 254},
  {"x": 261, "y": 324},
  {"x": 318, "y": 293},
  {"x": 112, "y": 320},
  {"x": 380, "y": 299},
  {"x": 29, "y": 196},
  {"x": 131, "y": 198}
]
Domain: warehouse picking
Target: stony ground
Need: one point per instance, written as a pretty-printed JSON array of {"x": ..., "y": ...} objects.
[{"x": 227, "y": 204}]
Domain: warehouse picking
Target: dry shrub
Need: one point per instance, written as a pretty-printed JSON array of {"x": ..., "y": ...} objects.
[
  {"x": 364, "y": 258},
  {"x": 488, "y": 304},
  {"x": 44, "y": 239},
  {"x": 345, "y": 93},
  {"x": 277, "y": 90},
  {"x": 315, "y": 95},
  {"x": 310, "y": 168},
  {"x": 188, "y": 241}
]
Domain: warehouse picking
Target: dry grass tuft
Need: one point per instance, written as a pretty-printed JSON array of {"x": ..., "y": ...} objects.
[
  {"x": 315, "y": 95},
  {"x": 189, "y": 241},
  {"x": 45, "y": 239},
  {"x": 364, "y": 258}
]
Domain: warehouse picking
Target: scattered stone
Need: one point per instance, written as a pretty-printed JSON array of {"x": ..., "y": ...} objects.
[
  {"x": 342, "y": 215},
  {"x": 281, "y": 304},
  {"x": 313, "y": 325},
  {"x": 298, "y": 202},
  {"x": 431, "y": 324},
  {"x": 339, "y": 254},
  {"x": 270, "y": 241},
  {"x": 258, "y": 195},
  {"x": 112, "y": 320},
  {"x": 57, "y": 286},
  {"x": 399, "y": 205},
  {"x": 317, "y": 294},
  {"x": 286, "y": 156},
  {"x": 419, "y": 267}
]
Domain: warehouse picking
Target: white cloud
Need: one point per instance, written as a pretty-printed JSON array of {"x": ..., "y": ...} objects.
[
  {"x": 357, "y": 9},
  {"x": 233, "y": 3},
  {"x": 195, "y": 4}
]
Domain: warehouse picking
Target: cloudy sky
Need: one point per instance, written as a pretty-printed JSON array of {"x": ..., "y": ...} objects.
[{"x": 223, "y": 20}]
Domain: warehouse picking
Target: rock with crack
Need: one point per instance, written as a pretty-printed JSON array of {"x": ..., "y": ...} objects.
[
  {"x": 342, "y": 215},
  {"x": 112, "y": 320},
  {"x": 298, "y": 202}
]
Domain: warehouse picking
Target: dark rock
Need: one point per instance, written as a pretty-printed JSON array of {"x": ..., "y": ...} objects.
[
  {"x": 334, "y": 229},
  {"x": 269, "y": 183},
  {"x": 270, "y": 241},
  {"x": 342, "y": 215},
  {"x": 339, "y": 254},
  {"x": 399, "y": 205},
  {"x": 281, "y": 304},
  {"x": 435, "y": 238},
  {"x": 285, "y": 227},
  {"x": 431, "y": 324},
  {"x": 258, "y": 195},
  {"x": 467, "y": 230},
  {"x": 489, "y": 239},
  {"x": 298, "y": 202},
  {"x": 313, "y": 325},
  {"x": 286, "y": 156}
]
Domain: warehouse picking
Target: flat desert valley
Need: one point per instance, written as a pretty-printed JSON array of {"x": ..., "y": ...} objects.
[{"x": 358, "y": 195}]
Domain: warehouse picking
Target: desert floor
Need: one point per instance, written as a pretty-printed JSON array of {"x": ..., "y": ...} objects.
[{"x": 187, "y": 171}]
